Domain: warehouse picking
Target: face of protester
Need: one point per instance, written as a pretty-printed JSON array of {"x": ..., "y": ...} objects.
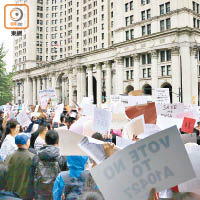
[
  {"x": 1, "y": 115},
  {"x": 15, "y": 131}
]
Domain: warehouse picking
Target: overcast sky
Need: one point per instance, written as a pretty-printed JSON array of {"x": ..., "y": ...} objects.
[{"x": 5, "y": 36}]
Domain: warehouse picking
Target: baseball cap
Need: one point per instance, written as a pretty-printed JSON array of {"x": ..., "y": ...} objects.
[{"x": 21, "y": 139}]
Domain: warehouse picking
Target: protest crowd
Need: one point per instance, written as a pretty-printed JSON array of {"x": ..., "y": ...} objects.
[{"x": 135, "y": 148}]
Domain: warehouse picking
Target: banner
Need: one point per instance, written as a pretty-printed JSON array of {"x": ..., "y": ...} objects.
[{"x": 150, "y": 163}]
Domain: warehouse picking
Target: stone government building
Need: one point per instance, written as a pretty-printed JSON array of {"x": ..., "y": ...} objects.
[{"x": 104, "y": 47}]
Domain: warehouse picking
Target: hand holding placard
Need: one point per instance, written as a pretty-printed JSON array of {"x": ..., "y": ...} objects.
[{"x": 188, "y": 125}]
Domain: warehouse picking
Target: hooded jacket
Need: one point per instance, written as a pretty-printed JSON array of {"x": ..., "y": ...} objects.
[
  {"x": 71, "y": 182},
  {"x": 46, "y": 166}
]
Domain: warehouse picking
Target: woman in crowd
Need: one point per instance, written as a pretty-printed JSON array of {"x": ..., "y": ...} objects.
[
  {"x": 8, "y": 145},
  {"x": 40, "y": 140}
]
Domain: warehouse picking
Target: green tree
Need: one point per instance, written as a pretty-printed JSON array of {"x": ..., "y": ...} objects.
[{"x": 6, "y": 82}]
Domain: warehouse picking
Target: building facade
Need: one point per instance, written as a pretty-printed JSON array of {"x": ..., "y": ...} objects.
[{"x": 84, "y": 47}]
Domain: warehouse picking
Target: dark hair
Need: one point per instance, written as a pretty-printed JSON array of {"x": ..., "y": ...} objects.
[
  {"x": 62, "y": 118},
  {"x": 52, "y": 137},
  {"x": 98, "y": 136},
  {"x": 10, "y": 124},
  {"x": 41, "y": 128}
]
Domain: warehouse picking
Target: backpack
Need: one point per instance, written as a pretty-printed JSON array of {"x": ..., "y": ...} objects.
[
  {"x": 45, "y": 175},
  {"x": 74, "y": 186}
]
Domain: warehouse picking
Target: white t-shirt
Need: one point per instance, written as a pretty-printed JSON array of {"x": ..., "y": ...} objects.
[
  {"x": 8, "y": 147},
  {"x": 39, "y": 142}
]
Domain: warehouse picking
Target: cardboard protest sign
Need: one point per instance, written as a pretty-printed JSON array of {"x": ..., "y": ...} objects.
[
  {"x": 135, "y": 126},
  {"x": 123, "y": 142},
  {"x": 189, "y": 138},
  {"x": 162, "y": 95},
  {"x": 88, "y": 110},
  {"x": 148, "y": 110},
  {"x": 149, "y": 129},
  {"x": 23, "y": 119},
  {"x": 87, "y": 100},
  {"x": 102, "y": 120},
  {"x": 119, "y": 120},
  {"x": 135, "y": 93},
  {"x": 167, "y": 122},
  {"x": 93, "y": 148},
  {"x": 169, "y": 110},
  {"x": 138, "y": 100},
  {"x": 68, "y": 143},
  {"x": 192, "y": 185},
  {"x": 149, "y": 163},
  {"x": 115, "y": 99},
  {"x": 188, "y": 125}
]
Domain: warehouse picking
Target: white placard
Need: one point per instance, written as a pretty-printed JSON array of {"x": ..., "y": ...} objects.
[
  {"x": 23, "y": 119},
  {"x": 123, "y": 142},
  {"x": 138, "y": 100},
  {"x": 115, "y": 99},
  {"x": 58, "y": 111},
  {"x": 167, "y": 122},
  {"x": 189, "y": 138},
  {"x": 162, "y": 95},
  {"x": 102, "y": 120},
  {"x": 88, "y": 110},
  {"x": 150, "y": 163},
  {"x": 169, "y": 110},
  {"x": 47, "y": 94},
  {"x": 87, "y": 100}
]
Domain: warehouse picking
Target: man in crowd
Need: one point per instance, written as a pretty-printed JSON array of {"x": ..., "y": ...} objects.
[
  {"x": 19, "y": 179},
  {"x": 47, "y": 165}
]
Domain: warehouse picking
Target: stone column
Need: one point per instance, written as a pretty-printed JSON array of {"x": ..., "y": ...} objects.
[
  {"x": 22, "y": 90},
  {"x": 194, "y": 74},
  {"x": 34, "y": 90},
  {"x": 63, "y": 90},
  {"x": 108, "y": 80},
  {"x": 70, "y": 87},
  {"x": 53, "y": 81},
  {"x": 90, "y": 80},
  {"x": 136, "y": 71},
  {"x": 186, "y": 73},
  {"x": 154, "y": 71},
  {"x": 83, "y": 82},
  {"x": 120, "y": 74},
  {"x": 176, "y": 81},
  {"x": 48, "y": 82},
  {"x": 38, "y": 89},
  {"x": 43, "y": 83},
  {"x": 28, "y": 95},
  {"x": 78, "y": 83},
  {"x": 99, "y": 84}
]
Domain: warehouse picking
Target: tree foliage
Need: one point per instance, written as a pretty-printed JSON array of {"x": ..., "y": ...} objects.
[{"x": 6, "y": 82}]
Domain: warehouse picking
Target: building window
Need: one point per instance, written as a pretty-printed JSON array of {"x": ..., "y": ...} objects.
[
  {"x": 149, "y": 72},
  {"x": 131, "y": 62},
  {"x": 127, "y": 75},
  {"x": 143, "y": 2},
  {"x": 131, "y": 19},
  {"x": 168, "y": 70},
  {"x": 148, "y": 1},
  {"x": 148, "y": 13},
  {"x": 143, "y": 59},
  {"x": 144, "y": 73},
  {"x": 112, "y": 14},
  {"x": 143, "y": 15},
  {"x": 162, "y": 9},
  {"x": 132, "y": 74},
  {"x": 132, "y": 33},
  {"x": 168, "y": 23},
  {"x": 167, "y": 6},
  {"x": 102, "y": 36},
  {"x": 162, "y": 70},
  {"x": 127, "y": 35},
  {"x": 131, "y": 5},
  {"x": 149, "y": 58},
  {"x": 127, "y": 62},
  {"x": 168, "y": 55},
  {"x": 162, "y": 56},
  {"x": 162, "y": 25},
  {"x": 149, "y": 29},
  {"x": 143, "y": 30},
  {"x": 194, "y": 22},
  {"x": 127, "y": 20},
  {"x": 126, "y": 7}
]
